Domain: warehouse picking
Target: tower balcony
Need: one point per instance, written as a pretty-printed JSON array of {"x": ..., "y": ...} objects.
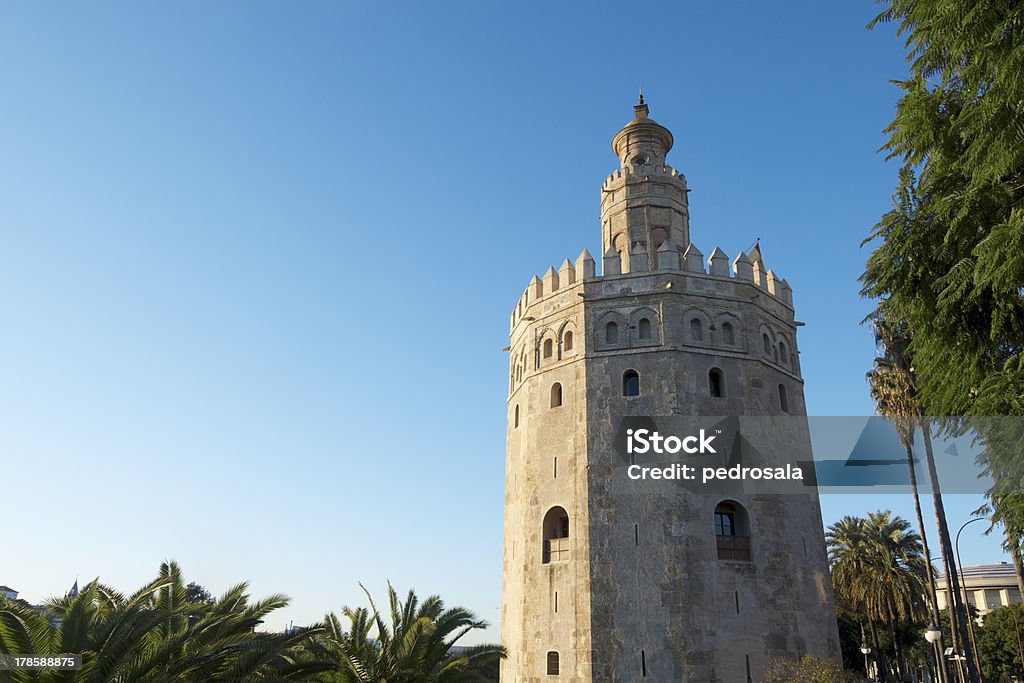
[{"x": 556, "y": 550}]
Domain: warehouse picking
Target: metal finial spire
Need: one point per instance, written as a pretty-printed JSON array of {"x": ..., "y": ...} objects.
[{"x": 641, "y": 100}]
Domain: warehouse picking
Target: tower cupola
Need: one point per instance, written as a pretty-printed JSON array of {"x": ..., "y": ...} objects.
[
  {"x": 644, "y": 204},
  {"x": 643, "y": 140}
]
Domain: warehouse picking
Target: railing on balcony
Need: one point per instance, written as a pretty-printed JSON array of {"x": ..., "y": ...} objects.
[
  {"x": 556, "y": 550},
  {"x": 734, "y": 548}
]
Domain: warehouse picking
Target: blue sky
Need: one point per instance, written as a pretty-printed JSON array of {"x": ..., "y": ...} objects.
[{"x": 257, "y": 261}]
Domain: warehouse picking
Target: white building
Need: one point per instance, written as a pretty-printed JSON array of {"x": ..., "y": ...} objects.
[{"x": 988, "y": 586}]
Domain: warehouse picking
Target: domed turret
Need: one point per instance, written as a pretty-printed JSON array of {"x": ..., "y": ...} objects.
[
  {"x": 644, "y": 205},
  {"x": 643, "y": 140}
]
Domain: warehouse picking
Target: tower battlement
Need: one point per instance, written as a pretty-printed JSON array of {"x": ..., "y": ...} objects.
[
  {"x": 663, "y": 170},
  {"x": 687, "y": 268}
]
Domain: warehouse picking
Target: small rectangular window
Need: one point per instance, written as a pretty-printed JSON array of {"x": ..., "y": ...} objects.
[{"x": 552, "y": 663}]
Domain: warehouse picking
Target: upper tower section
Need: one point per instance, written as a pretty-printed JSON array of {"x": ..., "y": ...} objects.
[{"x": 644, "y": 203}]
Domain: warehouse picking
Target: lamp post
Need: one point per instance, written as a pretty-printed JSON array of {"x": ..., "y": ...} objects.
[
  {"x": 933, "y": 635},
  {"x": 963, "y": 587},
  {"x": 865, "y": 650}
]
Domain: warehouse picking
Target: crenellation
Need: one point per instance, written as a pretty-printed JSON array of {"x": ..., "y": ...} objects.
[
  {"x": 743, "y": 268},
  {"x": 718, "y": 263},
  {"x": 638, "y": 259},
  {"x": 787, "y": 293},
  {"x": 760, "y": 278},
  {"x": 535, "y": 290},
  {"x": 566, "y": 273},
  {"x": 668, "y": 256},
  {"x": 693, "y": 260},
  {"x": 611, "y": 262},
  {"x": 550, "y": 282},
  {"x": 585, "y": 266},
  {"x": 688, "y": 263}
]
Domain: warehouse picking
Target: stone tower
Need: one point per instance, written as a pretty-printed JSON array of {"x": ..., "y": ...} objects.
[{"x": 608, "y": 579}]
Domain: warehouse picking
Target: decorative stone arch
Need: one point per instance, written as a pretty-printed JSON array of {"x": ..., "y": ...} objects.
[
  {"x": 696, "y": 326},
  {"x": 645, "y": 334},
  {"x": 546, "y": 352},
  {"x": 602, "y": 332},
  {"x": 567, "y": 339},
  {"x": 728, "y": 331}
]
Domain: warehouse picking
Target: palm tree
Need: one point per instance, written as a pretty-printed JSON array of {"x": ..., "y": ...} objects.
[
  {"x": 895, "y": 337},
  {"x": 878, "y": 569},
  {"x": 891, "y": 386},
  {"x": 418, "y": 646},
  {"x": 156, "y": 635}
]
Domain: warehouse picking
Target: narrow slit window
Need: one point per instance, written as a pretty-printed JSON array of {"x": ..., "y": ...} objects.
[
  {"x": 783, "y": 399},
  {"x": 644, "y": 329},
  {"x": 556, "y": 395},
  {"x": 515, "y": 417},
  {"x": 767, "y": 343},
  {"x": 611, "y": 333},
  {"x": 548, "y": 348},
  {"x": 567, "y": 342}
]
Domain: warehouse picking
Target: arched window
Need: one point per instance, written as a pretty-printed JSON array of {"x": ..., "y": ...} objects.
[
  {"x": 716, "y": 383},
  {"x": 515, "y": 418},
  {"x": 556, "y": 535},
  {"x": 611, "y": 333},
  {"x": 696, "y": 329},
  {"x": 644, "y": 328},
  {"x": 556, "y": 395},
  {"x": 767, "y": 343},
  {"x": 567, "y": 341},
  {"x": 732, "y": 531},
  {"x": 631, "y": 383},
  {"x": 782, "y": 352},
  {"x": 549, "y": 346},
  {"x": 728, "y": 337},
  {"x": 552, "y": 663},
  {"x": 783, "y": 399}
]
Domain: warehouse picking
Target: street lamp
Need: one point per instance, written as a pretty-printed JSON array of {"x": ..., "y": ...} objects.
[
  {"x": 933, "y": 635},
  {"x": 963, "y": 587},
  {"x": 865, "y": 650}
]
